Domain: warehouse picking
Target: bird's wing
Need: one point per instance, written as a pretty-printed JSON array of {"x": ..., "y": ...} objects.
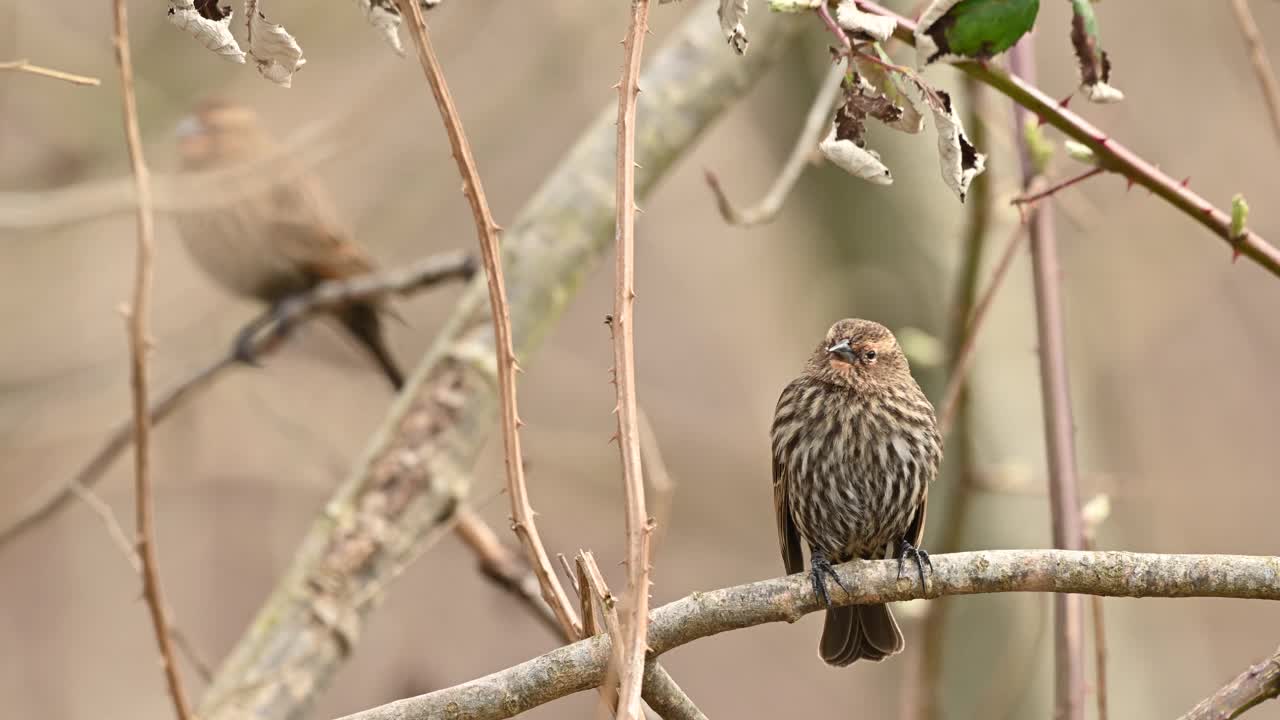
[
  {"x": 788, "y": 534},
  {"x": 915, "y": 531},
  {"x": 306, "y": 232}
]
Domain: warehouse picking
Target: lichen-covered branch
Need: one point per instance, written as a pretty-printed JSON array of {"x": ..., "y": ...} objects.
[
  {"x": 1255, "y": 685},
  {"x": 581, "y": 666},
  {"x": 416, "y": 468}
]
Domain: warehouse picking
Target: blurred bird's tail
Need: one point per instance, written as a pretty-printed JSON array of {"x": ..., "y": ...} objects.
[
  {"x": 859, "y": 631},
  {"x": 362, "y": 321}
]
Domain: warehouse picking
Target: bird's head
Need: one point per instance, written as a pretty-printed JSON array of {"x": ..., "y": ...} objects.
[
  {"x": 218, "y": 133},
  {"x": 860, "y": 354}
]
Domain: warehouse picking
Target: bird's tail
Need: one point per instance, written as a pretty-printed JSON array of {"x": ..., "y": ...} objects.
[
  {"x": 362, "y": 320},
  {"x": 859, "y": 631}
]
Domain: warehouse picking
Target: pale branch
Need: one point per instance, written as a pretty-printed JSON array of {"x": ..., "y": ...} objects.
[
  {"x": 139, "y": 314},
  {"x": 806, "y": 143},
  {"x": 1261, "y": 64},
  {"x": 25, "y": 65},
  {"x": 416, "y": 468},
  {"x": 1111, "y": 154},
  {"x": 1059, "y": 422},
  {"x": 634, "y": 623},
  {"x": 407, "y": 280},
  {"x": 1253, "y": 686},
  {"x": 522, "y": 517},
  {"x": 581, "y": 666}
]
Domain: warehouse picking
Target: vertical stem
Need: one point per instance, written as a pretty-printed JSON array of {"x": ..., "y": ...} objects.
[
  {"x": 1064, "y": 500},
  {"x": 138, "y": 345},
  {"x": 635, "y": 626}
]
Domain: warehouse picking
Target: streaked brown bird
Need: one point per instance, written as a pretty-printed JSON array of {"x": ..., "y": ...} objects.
[
  {"x": 855, "y": 446},
  {"x": 273, "y": 244}
]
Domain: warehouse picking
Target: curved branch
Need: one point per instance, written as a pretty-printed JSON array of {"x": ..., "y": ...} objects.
[
  {"x": 1111, "y": 154},
  {"x": 581, "y": 666},
  {"x": 1257, "y": 684}
]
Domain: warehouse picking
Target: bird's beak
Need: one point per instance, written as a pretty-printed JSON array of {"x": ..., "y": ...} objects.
[{"x": 842, "y": 351}]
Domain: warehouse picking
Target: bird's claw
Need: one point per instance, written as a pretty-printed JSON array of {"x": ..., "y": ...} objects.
[
  {"x": 820, "y": 571},
  {"x": 921, "y": 557},
  {"x": 243, "y": 350}
]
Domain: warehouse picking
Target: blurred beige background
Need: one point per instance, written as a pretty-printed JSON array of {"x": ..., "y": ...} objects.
[{"x": 1172, "y": 348}]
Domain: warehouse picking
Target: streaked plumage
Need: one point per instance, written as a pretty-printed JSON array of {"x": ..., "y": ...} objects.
[
  {"x": 273, "y": 244},
  {"x": 855, "y": 446}
]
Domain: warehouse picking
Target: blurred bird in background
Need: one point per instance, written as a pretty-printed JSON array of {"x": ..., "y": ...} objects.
[
  {"x": 855, "y": 446},
  {"x": 270, "y": 245}
]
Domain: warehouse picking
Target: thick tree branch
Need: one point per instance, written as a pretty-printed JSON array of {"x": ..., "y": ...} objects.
[
  {"x": 636, "y": 518},
  {"x": 416, "y": 468},
  {"x": 139, "y": 313},
  {"x": 581, "y": 666},
  {"x": 407, "y": 280},
  {"x": 1112, "y": 155},
  {"x": 1255, "y": 685}
]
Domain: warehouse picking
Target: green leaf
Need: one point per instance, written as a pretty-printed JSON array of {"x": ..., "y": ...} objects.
[
  {"x": 1095, "y": 66},
  {"x": 1239, "y": 215},
  {"x": 953, "y": 30}
]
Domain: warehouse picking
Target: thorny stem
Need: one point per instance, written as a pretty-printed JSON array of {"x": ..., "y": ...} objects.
[
  {"x": 1253, "y": 686},
  {"x": 139, "y": 313},
  {"x": 1064, "y": 498},
  {"x": 1111, "y": 154},
  {"x": 636, "y": 621},
  {"x": 487, "y": 229}
]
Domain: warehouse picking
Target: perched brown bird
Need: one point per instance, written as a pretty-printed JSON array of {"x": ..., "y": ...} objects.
[
  {"x": 276, "y": 243},
  {"x": 855, "y": 445}
]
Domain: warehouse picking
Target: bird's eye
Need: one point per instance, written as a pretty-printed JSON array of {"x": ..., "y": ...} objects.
[{"x": 869, "y": 356}]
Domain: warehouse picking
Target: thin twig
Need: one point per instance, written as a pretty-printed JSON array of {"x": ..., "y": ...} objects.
[
  {"x": 406, "y": 280},
  {"x": 582, "y": 665},
  {"x": 1258, "y": 56},
  {"x": 1064, "y": 497},
  {"x": 138, "y": 315},
  {"x": 963, "y": 358},
  {"x": 1111, "y": 154},
  {"x": 24, "y": 66},
  {"x": 596, "y": 591},
  {"x": 503, "y": 567},
  {"x": 126, "y": 548},
  {"x": 1255, "y": 685},
  {"x": 659, "y": 477},
  {"x": 814, "y": 123},
  {"x": 1032, "y": 198},
  {"x": 638, "y": 528},
  {"x": 487, "y": 229}
]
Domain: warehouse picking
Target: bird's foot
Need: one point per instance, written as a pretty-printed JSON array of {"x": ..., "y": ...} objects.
[
  {"x": 248, "y": 347},
  {"x": 821, "y": 570},
  {"x": 919, "y": 555}
]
